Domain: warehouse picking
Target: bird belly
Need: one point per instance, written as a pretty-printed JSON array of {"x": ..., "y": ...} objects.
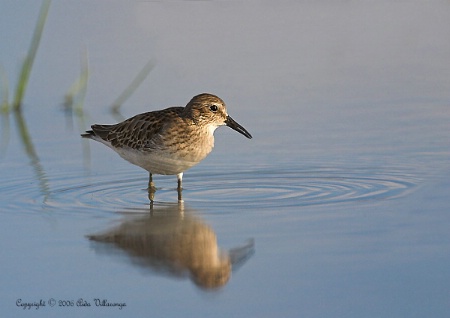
[{"x": 157, "y": 163}]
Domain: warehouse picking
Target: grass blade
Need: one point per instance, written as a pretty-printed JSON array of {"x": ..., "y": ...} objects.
[
  {"x": 4, "y": 108},
  {"x": 140, "y": 77},
  {"x": 29, "y": 59},
  {"x": 75, "y": 96}
]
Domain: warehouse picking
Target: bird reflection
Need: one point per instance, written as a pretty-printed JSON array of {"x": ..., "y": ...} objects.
[{"x": 172, "y": 240}]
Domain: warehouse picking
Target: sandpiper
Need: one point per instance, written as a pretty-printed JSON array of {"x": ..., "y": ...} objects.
[{"x": 168, "y": 141}]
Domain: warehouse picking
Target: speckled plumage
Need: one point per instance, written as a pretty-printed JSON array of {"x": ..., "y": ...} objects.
[{"x": 168, "y": 141}]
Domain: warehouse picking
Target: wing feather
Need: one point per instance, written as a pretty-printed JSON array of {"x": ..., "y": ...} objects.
[{"x": 137, "y": 132}]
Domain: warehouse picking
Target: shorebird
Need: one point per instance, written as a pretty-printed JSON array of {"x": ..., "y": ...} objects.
[{"x": 168, "y": 141}]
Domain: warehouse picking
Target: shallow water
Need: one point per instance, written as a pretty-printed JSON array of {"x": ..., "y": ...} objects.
[{"x": 338, "y": 207}]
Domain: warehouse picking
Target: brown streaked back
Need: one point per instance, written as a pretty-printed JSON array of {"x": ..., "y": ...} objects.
[{"x": 137, "y": 131}]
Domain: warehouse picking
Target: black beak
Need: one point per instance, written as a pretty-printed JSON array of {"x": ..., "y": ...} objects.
[{"x": 234, "y": 125}]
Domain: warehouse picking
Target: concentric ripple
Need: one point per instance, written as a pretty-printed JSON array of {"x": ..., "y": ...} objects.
[
  {"x": 258, "y": 188},
  {"x": 276, "y": 188}
]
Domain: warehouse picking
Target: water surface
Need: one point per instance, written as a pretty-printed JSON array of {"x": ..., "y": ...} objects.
[{"x": 338, "y": 207}]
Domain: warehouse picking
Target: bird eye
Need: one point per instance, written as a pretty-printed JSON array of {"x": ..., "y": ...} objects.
[{"x": 213, "y": 108}]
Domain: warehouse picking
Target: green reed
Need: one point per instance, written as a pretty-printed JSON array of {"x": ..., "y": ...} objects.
[
  {"x": 75, "y": 96},
  {"x": 29, "y": 59},
  {"x": 16, "y": 104},
  {"x": 4, "y": 107},
  {"x": 130, "y": 89}
]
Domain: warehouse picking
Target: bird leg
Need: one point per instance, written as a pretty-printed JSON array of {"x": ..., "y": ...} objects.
[
  {"x": 151, "y": 184},
  {"x": 180, "y": 187}
]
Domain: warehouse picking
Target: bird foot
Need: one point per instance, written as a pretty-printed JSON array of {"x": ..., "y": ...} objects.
[{"x": 151, "y": 191}]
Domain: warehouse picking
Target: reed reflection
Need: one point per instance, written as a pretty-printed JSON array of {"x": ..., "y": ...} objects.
[
  {"x": 30, "y": 150},
  {"x": 175, "y": 242}
]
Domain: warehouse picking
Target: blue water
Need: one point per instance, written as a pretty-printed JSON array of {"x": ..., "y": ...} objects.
[{"x": 338, "y": 206}]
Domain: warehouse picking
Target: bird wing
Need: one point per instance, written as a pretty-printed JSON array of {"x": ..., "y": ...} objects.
[{"x": 136, "y": 132}]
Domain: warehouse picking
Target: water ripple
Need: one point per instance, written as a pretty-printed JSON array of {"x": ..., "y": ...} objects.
[
  {"x": 258, "y": 188},
  {"x": 262, "y": 188},
  {"x": 275, "y": 188}
]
